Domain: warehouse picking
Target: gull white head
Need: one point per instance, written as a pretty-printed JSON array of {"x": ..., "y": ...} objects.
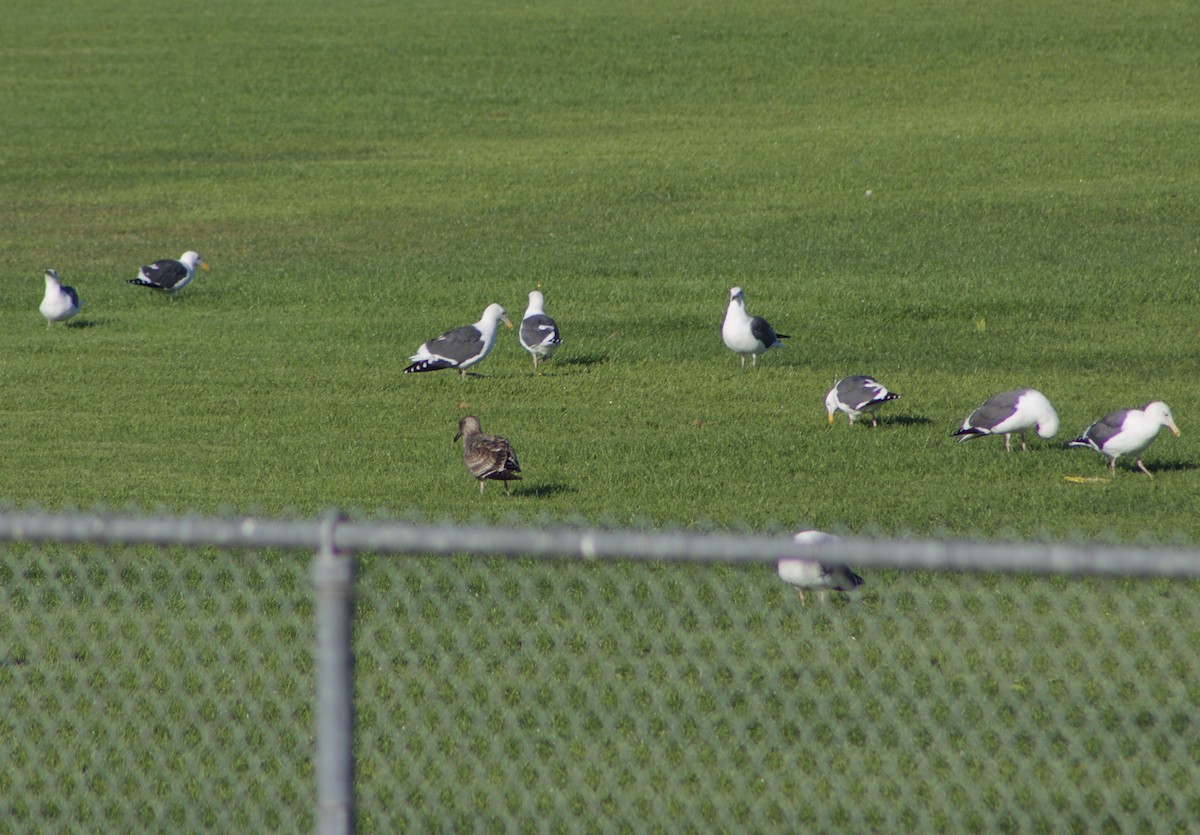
[
  {"x": 1161, "y": 412},
  {"x": 1047, "y": 427},
  {"x": 813, "y": 537},
  {"x": 495, "y": 313},
  {"x": 1047, "y": 418},
  {"x": 831, "y": 406},
  {"x": 192, "y": 260}
]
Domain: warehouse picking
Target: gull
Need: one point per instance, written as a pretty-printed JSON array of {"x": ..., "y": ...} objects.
[
  {"x": 539, "y": 333},
  {"x": 1011, "y": 412},
  {"x": 60, "y": 302},
  {"x": 462, "y": 347},
  {"x": 1127, "y": 432},
  {"x": 170, "y": 275},
  {"x": 487, "y": 457},
  {"x": 813, "y": 574},
  {"x": 745, "y": 334},
  {"x": 856, "y": 396}
]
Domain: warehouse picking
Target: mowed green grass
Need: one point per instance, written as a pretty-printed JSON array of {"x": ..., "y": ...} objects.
[{"x": 362, "y": 176}]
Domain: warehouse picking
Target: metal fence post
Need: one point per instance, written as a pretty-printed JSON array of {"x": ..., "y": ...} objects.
[{"x": 333, "y": 579}]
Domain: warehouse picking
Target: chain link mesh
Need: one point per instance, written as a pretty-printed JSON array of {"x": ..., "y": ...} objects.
[
  {"x": 155, "y": 690},
  {"x": 171, "y": 690},
  {"x": 552, "y": 696}
]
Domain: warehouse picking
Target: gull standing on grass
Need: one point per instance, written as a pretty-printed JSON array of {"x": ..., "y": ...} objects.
[
  {"x": 744, "y": 334},
  {"x": 856, "y": 396},
  {"x": 487, "y": 457},
  {"x": 1011, "y": 412},
  {"x": 170, "y": 275},
  {"x": 60, "y": 302},
  {"x": 813, "y": 574},
  {"x": 1127, "y": 432},
  {"x": 462, "y": 347},
  {"x": 539, "y": 333}
]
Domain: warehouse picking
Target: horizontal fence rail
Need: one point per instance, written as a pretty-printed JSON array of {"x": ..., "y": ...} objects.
[{"x": 390, "y": 537}]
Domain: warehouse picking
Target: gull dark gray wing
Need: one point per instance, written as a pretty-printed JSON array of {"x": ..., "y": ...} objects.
[
  {"x": 861, "y": 391},
  {"x": 165, "y": 273},
  {"x": 840, "y": 577},
  {"x": 457, "y": 345},
  {"x": 1105, "y": 429},
  {"x": 763, "y": 332},
  {"x": 995, "y": 410},
  {"x": 539, "y": 330}
]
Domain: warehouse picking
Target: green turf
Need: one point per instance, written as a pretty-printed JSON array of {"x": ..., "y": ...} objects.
[
  {"x": 958, "y": 199},
  {"x": 363, "y": 177}
]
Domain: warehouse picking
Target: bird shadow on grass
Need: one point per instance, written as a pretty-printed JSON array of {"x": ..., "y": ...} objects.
[
  {"x": 577, "y": 364},
  {"x": 585, "y": 360},
  {"x": 903, "y": 420},
  {"x": 541, "y": 491},
  {"x": 85, "y": 323},
  {"x": 1170, "y": 466}
]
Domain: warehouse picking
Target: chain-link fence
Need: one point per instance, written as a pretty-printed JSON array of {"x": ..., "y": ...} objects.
[{"x": 162, "y": 675}]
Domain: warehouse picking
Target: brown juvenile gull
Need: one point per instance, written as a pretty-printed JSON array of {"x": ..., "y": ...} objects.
[
  {"x": 1127, "y": 432},
  {"x": 170, "y": 275},
  {"x": 813, "y": 574},
  {"x": 487, "y": 456},
  {"x": 462, "y": 347}
]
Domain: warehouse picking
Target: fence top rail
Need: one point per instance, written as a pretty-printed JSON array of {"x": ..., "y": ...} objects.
[{"x": 335, "y": 533}]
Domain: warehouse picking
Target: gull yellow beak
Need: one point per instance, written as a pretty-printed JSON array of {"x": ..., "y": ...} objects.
[
  {"x": 1175, "y": 429},
  {"x": 830, "y": 418},
  {"x": 204, "y": 266},
  {"x": 508, "y": 323}
]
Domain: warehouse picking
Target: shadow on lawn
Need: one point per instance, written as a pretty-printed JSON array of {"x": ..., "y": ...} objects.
[
  {"x": 903, "y": 420},
  {"x": 586, "y": 360},
  {"x": 541, "y": 491},
  {"x": 576, "y": 364},
  {"x": 1169, "y": 466}
]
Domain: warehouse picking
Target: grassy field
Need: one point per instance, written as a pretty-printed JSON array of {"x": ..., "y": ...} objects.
[
  {"x": 956, "y": 199},
  {"x": 362, "y": 178}
]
